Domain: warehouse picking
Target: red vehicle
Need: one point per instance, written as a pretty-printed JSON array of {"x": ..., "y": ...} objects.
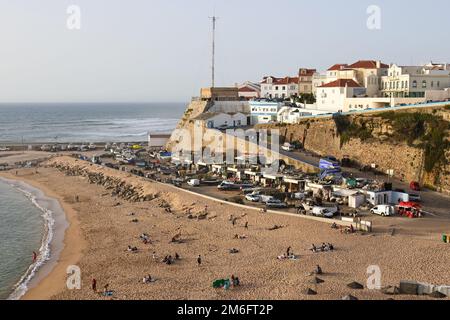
[
  {"x": 409, "y": 209},
  {"x": 414, "y": 185}
]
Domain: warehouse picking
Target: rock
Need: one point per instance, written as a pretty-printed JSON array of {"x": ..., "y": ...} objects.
[
  {"x": 310, "y": 292},
  {"x": 409, "y": 287},
  {"x": 316, "y": 280},
  {"x": 437, "y": 295},
  {"x": 391, "y": 290},
  {"x": 355, "y": 285}
]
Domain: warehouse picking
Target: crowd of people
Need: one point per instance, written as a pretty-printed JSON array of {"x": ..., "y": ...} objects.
[{"x": 322, "y": 248}]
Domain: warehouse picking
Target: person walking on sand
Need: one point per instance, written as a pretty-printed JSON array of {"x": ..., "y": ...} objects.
[
  {"x": 34, "y": 256},
  {"x": 94, "y": 285},
  {"x": 246, "y": 225},
  {"x": 288, "y": 251},
  {"x": 199, "y": 260}
]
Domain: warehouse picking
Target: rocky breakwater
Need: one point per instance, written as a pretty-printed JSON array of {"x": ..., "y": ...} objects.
[{"x": 121, "y": 184}]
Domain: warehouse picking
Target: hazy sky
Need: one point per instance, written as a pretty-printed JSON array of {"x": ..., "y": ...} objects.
[{"x": 159, "y": 50}]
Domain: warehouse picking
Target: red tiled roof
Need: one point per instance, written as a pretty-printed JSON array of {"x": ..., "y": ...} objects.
[
  {"x": 308, "y": 72},
  {"x": 342, "y": 83},
  {"x": 367, "y": 64},
  {"x": 247, "y": 89},
  {"x": 338, "y": 66}
]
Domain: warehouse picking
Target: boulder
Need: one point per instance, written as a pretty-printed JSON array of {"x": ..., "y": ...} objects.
[{"x": 355, "y": 285}]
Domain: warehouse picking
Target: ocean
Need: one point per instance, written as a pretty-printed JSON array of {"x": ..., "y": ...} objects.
[
  {"x": 21, "y": 232},
  {"x": 87, "y": 122},
  {"x": 29, "y": 221}
]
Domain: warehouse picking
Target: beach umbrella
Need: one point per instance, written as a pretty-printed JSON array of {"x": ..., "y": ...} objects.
[
  {"x": 355, "y": 285},
  {"x": 349, "y": 297}
]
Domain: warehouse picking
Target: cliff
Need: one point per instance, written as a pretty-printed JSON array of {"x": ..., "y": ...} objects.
[{"x": 414, "y": 143}]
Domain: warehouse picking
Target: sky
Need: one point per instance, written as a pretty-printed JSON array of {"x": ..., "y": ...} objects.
[{"x": 160, "y": 50}]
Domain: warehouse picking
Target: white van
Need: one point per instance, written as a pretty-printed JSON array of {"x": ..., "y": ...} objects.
[
  {"x": 327, "y": 212},
  {"x": 287, "y": 147},
  {"x": 194, "y": 182},
  {"x": 383, "y": 210}
]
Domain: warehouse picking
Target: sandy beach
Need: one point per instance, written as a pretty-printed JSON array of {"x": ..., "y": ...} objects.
[{"x": 102, "y": 227}]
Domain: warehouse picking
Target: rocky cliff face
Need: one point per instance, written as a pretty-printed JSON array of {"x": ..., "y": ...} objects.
[
  {"x": 413, "y": 143},
  {"x": 194, "y": 109}
]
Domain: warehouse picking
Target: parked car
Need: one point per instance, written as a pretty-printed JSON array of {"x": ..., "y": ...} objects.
[
  {"x": 415, "y": 197},
  {"x": 265, "y": 198},
  {"x": 383, "y": 210},
  {"x": 287, "y": 147},
  {"x": 274, "y": 203},
  {"x": 194, "y": 182},
  {"x": 253, "y": 197},
  {"x": 4, "y": 149},
  {"x": 327, "y": 212},
  {"x": 414, "y": 185}
]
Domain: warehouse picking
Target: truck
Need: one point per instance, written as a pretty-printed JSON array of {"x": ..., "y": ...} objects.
[
  {"x": 194, "y": 182},
  {"x": 383, "y": 210}
]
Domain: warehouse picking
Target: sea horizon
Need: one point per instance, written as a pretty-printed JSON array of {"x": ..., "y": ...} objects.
[{"x": 23, "y": 123}]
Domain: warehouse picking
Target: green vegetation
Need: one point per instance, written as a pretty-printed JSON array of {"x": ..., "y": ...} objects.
[
  {"x": 420, "y": 130},
  {"x": 423, "y": 130},
  {"x": 307, "y": 98},
  {"x": 348, "y": 129}
]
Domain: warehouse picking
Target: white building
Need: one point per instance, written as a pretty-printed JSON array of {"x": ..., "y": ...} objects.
[
  {"x": 249, "y": 90},
  {"x": 279, "y": 88},
  {"x": 415, "y": 81},
  {"x": 213, "y": 120},
  {"x": 331, "y": 96},
  {"x": 367, "y": 73},
  {"x": 292, "y": 115},
  {"x": 264, "y": 111}
]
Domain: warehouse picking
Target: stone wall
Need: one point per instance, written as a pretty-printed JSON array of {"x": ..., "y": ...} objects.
[{"x": 321, "y": 136}]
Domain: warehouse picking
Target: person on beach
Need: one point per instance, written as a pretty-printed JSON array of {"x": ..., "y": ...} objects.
[
  {"x": 199, "y": 260},
  {"x": 206, "y": 208},
  {"x": 94, "y": 285},
  {"x": 34, "y": 256},
  {"x": 177, "y": 256},
  {"x": 246, "y": 225},
  {"x": 288, "y": 251},
  {"x": 318, "y": 270}
]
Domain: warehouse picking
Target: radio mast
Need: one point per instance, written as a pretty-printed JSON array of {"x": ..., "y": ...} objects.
[{"x": 214, "y": 20}]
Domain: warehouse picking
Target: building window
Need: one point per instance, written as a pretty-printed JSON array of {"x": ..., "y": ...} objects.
[
  {"x": 432, "y": 84},
  {"x": 424, "y": 83},
  {"x": 414, "y": 84},
  {"x": 438, "y": 84}
]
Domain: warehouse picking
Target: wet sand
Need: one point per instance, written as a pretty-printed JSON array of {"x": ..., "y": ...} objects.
[{"x": 101, "y": 228}]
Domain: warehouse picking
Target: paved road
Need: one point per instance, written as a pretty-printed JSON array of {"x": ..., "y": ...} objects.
[{"x": 434, "y": 203}]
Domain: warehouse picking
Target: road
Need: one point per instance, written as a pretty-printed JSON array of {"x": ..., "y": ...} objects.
[{"x": 434, "y": 203}]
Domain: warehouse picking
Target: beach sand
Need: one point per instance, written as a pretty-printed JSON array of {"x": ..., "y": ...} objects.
[{"x": 101, "y": 229}]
